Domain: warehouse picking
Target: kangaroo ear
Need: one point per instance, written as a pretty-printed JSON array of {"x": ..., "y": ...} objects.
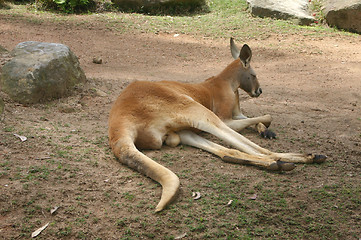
[
  {"x": 245, "y": 55},
  {"x": 234, "y": 50}
]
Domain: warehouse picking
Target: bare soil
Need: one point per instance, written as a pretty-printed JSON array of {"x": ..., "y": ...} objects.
[{"x": 311, "y": 87}]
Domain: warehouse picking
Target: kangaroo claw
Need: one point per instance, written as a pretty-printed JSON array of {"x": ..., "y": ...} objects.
[
  {"x": 268, "y": 134},
  {"x": 281, "y": 166},
  {"x": 318, "y": 158}
]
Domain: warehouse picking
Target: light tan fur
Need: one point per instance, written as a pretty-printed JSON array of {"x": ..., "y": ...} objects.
[{"x": 147, "y": 114}]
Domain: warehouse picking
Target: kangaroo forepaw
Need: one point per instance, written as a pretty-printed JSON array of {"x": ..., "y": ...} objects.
[
  {"x": 281, "y": 166},
  {"x": 268, "y": 134},
  {"x": 318, "y": 158}
]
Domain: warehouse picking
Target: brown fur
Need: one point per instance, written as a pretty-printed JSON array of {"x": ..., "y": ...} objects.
[{"x": 147, "y": 114}]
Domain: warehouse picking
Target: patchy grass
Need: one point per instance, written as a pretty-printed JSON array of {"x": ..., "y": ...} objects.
[
  {"x": 265, "y": 205},
  {"x": 66, "y": 161},
  {"x": 225, "y": 19}
]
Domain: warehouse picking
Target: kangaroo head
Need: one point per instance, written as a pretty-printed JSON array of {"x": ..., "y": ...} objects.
[{"x": 246, "y": 75}]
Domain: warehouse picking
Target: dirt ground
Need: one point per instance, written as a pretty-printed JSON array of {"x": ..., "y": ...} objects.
[{"x": 311, "y": 87}]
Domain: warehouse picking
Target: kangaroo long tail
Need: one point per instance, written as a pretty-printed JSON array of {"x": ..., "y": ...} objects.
[{"x": 128, "y": 154}]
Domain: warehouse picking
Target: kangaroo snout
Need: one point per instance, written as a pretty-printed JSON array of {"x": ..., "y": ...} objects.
[{"x": 257, "y": 93}]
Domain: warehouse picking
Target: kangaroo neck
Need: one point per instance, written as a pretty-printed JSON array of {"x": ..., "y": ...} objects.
[{"x": 231, "y": 75}]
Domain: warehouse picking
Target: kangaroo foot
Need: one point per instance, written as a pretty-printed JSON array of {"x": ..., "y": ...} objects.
[
  {"x": 281, "y": 166},
  {"x": 318, "y": 158}
]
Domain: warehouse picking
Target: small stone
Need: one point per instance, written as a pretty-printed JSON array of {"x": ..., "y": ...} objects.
[
  {"x": 100, "y": 93},
  {"x": 66, "y": 109},
  {"x": 97, "y": 60}
]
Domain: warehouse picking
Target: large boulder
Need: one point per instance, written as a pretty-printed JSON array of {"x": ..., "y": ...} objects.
[
  {"x": 40, "y": 71},
  {"x": 282, "y": 9},
  {"x": 344, "y": 14}
]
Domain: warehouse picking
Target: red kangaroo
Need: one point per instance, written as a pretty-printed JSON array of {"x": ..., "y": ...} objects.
[{"x": 148, "y": 114}]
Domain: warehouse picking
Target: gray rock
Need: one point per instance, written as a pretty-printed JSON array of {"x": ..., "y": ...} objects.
[
  {"x": 282, "y": 9},
  {"x": 344, "y": 14},
  {"x": 40, "y": 71}
]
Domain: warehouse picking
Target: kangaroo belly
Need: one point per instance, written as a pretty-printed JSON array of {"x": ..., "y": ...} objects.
[
  {"x": 152, "y": 136},
  {"x": 148, "y": 139}
]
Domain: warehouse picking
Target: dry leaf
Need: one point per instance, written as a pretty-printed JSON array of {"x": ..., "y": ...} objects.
[
  {"x": 38, "y": 231},
  {"x": 253, "y": 197},
  {"x": 196, "y": 195},
  {"x": 54, "y": 210},
  {"x": 22, "y": 138},
  {"x": 181, "y": 236}
]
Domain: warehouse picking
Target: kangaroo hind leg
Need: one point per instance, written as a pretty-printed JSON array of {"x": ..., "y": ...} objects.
[
  {"x": 231, "y": 155},
  {"x": 207, "y": 121},
  {"x": 301, "y": 158}
]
